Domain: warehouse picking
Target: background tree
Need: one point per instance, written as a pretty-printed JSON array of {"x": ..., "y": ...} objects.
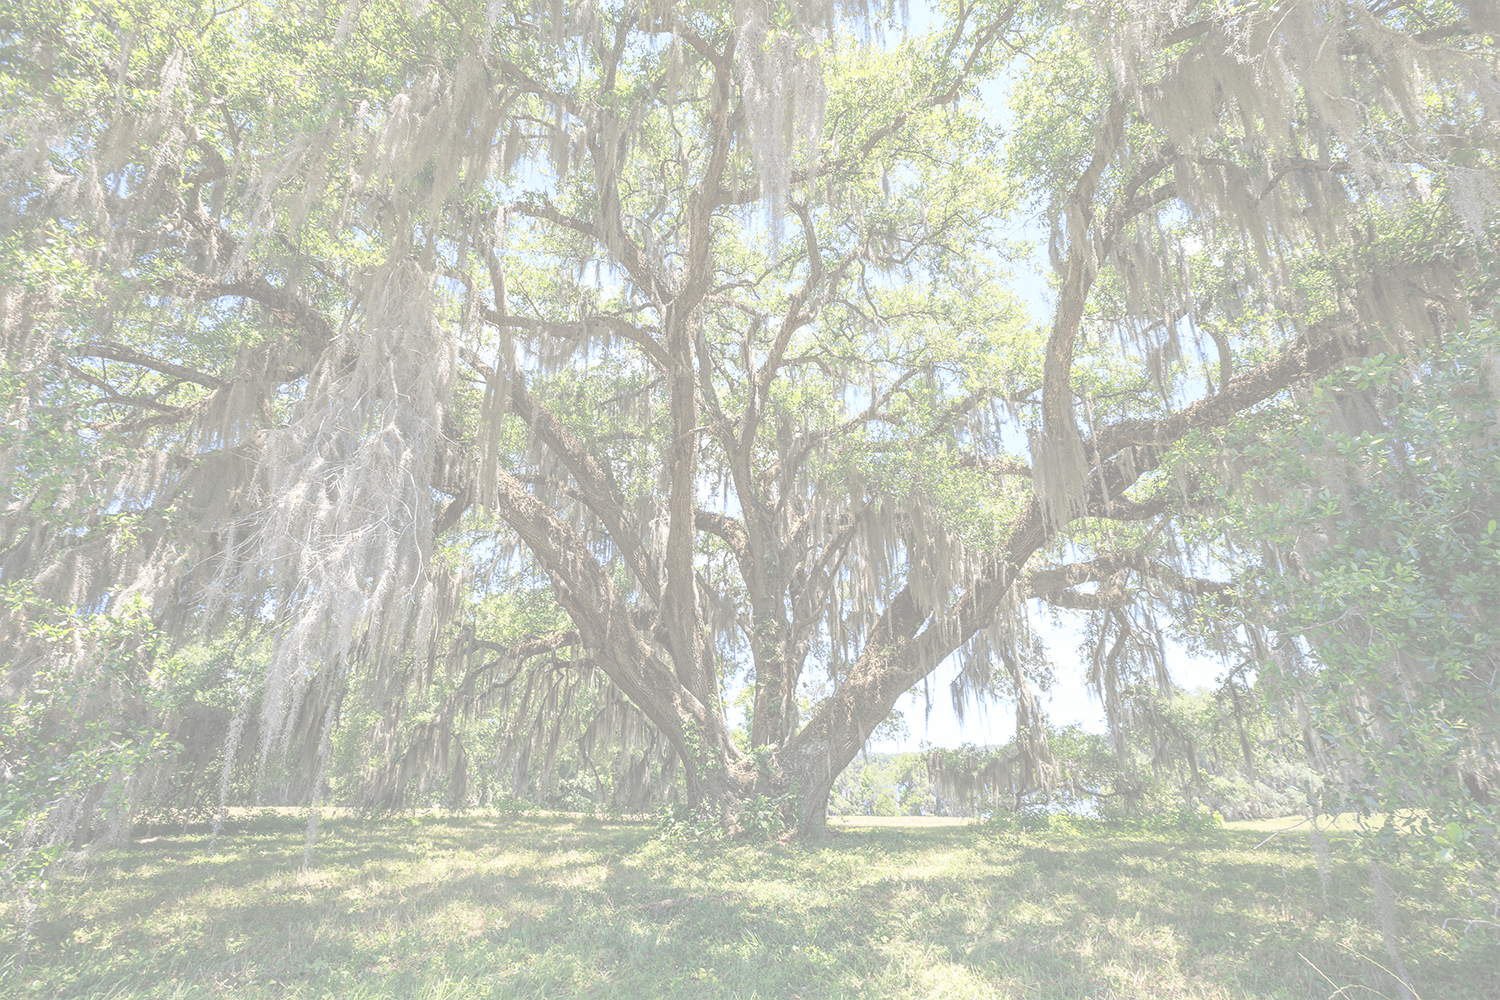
[{"x": 1003, "y": 781}]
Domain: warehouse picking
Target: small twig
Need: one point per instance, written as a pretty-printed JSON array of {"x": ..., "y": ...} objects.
[
  {"x": 1468, "y": 924},
  {"x": 1343, "y": 990},
  {"x": 1278, "y": 833}
]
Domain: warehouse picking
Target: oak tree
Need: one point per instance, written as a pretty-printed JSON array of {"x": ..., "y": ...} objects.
[{"x": 323, "y": 323}]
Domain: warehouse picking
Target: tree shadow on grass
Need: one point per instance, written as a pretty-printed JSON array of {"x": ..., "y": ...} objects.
[
  {"x": 1097, "y": 909},
  {"x": 550, "y": 906},
  {"x": 248, "y": 912}
]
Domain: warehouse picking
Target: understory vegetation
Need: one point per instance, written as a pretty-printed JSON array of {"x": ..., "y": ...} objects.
[{"x": 489, "y": 904}]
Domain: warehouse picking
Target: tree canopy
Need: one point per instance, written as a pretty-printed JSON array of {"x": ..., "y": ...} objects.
[{"x": 455, "y": 389}]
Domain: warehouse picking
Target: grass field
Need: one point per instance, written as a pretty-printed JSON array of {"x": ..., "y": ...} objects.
[{"x": 556, "y": 906}]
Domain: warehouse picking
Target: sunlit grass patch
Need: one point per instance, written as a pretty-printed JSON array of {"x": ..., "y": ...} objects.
[
  {"x": 554, "y": 906},
  {"x": 1342, "y": 823}
]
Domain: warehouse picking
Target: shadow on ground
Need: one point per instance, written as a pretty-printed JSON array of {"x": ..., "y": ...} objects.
[{"x": 565, "y": 906}]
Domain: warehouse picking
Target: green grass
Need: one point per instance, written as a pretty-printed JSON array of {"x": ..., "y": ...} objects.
[
  {"x": 555, "y": 906},
  {"x": 1342, "y": 823}
]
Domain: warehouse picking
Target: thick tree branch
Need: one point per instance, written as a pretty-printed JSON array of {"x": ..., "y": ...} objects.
[
  {"x": 622, "y": 247},
  {"x": 995, "y": 465},
  {"x": 1326, "y": 347},
  {"x": 119, "y": 352},
  {"x": 1077, "y": 278},
  {"x": 1058, "y": 581},
  {"x": 729, "y": 529}
]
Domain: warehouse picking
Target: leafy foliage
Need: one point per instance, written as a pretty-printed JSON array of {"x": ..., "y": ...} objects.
[
  {"x": 69, "y": 758},
  {"x": 1370, "y": 606}
]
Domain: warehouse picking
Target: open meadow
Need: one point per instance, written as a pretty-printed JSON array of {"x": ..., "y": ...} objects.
[{"x": 495, "y": 905}]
